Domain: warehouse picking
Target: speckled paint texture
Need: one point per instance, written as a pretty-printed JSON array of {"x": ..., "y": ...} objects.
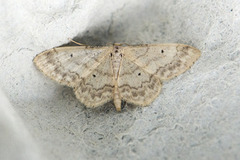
[{"x": 196, "y": 115}]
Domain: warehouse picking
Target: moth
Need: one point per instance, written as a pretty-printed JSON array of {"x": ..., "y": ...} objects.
[{"x": 120, "y": 73}]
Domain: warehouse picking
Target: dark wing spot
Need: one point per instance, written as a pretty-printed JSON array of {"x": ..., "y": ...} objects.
[
  {"x": 94, "y": 75},
  {"x": 162, "y": 51},
  {"x": 111, "y": 54},
  {"x": 134, "y": 94},
  {"x": 71, "y": 55},
  {"x": 139, "y": 74}
]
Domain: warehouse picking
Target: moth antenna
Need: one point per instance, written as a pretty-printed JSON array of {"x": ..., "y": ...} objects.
[
  {"x": 126, "y": 44},
  {"x": 80, "y": 44},
  {"x": 118, "y": 44}
]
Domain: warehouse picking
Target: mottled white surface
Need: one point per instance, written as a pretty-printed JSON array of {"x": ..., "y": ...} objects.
[
  {"x": 15, "y": 140},
  {"x": 196, "y": 115}
]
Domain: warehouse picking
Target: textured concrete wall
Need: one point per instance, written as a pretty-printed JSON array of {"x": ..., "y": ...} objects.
[{"x": 196, "y": 116}]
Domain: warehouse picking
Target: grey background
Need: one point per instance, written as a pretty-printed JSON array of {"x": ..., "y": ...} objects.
[{"x": 196, "y": 116}]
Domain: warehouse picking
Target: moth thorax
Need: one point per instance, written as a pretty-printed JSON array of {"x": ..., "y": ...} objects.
[{"x": 116, "y": 61}]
